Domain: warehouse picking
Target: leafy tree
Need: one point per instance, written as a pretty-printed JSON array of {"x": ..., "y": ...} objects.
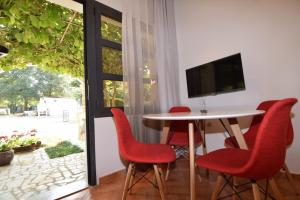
[
  {"x": 25, "y": 87},
  {"x": 113, "y": 93},
  {"x": 50, "y": 84}
]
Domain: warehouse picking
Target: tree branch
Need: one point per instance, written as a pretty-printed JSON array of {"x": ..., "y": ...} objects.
[{"x": 67, "y": 28}]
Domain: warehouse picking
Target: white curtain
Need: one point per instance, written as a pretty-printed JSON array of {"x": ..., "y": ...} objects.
[
  {"x": 166, "y": 53},
  {"x": 150, "y": 66}
]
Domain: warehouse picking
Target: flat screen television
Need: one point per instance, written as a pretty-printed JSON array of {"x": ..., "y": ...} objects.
[{"x": 216, "y": 77}]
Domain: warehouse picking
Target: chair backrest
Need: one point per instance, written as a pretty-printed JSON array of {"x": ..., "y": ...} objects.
[
  {"x": 126, "y": 140},
  {"x": 179, "y": 125},
  {"x": 268, "y": 153},
  {"x": 266, "y": 105}
]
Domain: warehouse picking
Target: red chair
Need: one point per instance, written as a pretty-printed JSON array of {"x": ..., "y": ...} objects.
[
  {"x": 263, "y": 161},
  {"x": 135, "y": 152},
  {"x": 250, "y": 135},
  {"x": 179, "y": 135}
]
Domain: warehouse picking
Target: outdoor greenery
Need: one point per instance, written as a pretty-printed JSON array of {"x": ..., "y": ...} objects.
[
  {"x": 112, "y": 61},
  {"x": 62, "y": 149},
  {"x": 113, "y": 93},
  {"x": 49, "y": 36},
  {"x": 5, "y": 145},
  {"x": 43, "y": 34},
  {"x": 111, "y": 29},
  {"x": 22, "y": 141},
  {"x": 22, "y": 88},
  {"x": 16, "y": 141}
]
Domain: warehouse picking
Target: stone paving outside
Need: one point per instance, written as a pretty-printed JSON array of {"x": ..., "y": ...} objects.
[{"x": 31, "y": 174}]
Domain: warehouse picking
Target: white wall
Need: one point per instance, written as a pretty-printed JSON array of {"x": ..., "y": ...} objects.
[
  {"x": 106, "y": 145},
  {"x": 267, "y": 33}
]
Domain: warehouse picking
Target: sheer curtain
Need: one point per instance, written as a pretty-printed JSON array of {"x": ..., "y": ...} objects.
[
  {"x": 149, "y": 62},
  {"x": 166, "y": 53}
]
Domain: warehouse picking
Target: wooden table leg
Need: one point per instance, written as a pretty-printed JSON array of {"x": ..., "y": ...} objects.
[
  {"x": 164, "y": 140},
  {"x": 202, "y": 130},
  {"x": 165, "y": 133},
  {"x": 226, "y": 125},
  {"x": 236, "y": 130},
  {"x": 192, "y": 160},
  {"x": 204, "y": 149}
]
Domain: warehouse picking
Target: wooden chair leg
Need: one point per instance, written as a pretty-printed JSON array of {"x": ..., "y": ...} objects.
[
  {"x": 168, "y": 171},
  {"x": 274, "y": 188},
  {"x": 290, "y": 178},
  {"x": 131, "y": 179},
  {"x": 198, "y": 173},
  {"x": 127, "y": 180},
  {"x": 162, "y": 179},
  {"x": 217, "y": 189},
  {"x": 159, "y": 182},
  {"x": 256, "y": 192},
  {"x": 235, "y": 182}
]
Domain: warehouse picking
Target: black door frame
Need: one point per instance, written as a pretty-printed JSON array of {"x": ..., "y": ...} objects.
[{"x": 90, "y": 86}]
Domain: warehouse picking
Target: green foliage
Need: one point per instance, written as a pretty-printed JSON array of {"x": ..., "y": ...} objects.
[
  {"x": 113, "y": 93},
  {"x": 62, "y": 149},
  {"x": 34, "y": 33},
  {"x": 112, "y": 61},
  {"x": 26, "y": 86},
  {"x": 5, "y": 146},
  {"x": 111, "y": 30},
  {"x": 23, "y": 141},
  {"x": 33, "y": 30}
]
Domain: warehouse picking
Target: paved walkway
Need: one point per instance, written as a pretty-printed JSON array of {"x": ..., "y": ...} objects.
[{"x": 32, "y": 174}]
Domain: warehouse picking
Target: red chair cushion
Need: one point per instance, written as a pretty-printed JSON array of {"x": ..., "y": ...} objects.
[
  {"x": 151, "y": 153},
  {"x": 227, "y": 160}
]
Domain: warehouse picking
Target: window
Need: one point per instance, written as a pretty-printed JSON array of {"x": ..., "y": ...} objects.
[{"x": 109, "y": 72}]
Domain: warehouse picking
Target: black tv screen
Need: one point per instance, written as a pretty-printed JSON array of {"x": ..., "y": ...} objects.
[{"x": 219, "y": 76}]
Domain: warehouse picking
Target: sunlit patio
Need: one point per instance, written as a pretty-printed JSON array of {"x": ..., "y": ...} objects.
[{"x": 33, "y": 175}]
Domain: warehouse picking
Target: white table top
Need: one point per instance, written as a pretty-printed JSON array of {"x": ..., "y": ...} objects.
[{"x": 213, "y": 114}]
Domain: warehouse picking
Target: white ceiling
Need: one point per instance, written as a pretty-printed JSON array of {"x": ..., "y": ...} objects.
[{"x": 73, "y": 5}]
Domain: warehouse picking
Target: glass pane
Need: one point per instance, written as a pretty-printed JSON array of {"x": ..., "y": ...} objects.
[
  {"x": 113, "y": 93},
  {"x": 111, "y": 29},
  {"x": 147, "y": 92},
  {"x": 146, "y": 72},
  {"x": 112, "y": 61}
]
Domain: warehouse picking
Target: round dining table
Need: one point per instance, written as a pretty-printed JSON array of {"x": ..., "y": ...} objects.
[{"x": 226, "y": 116}]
